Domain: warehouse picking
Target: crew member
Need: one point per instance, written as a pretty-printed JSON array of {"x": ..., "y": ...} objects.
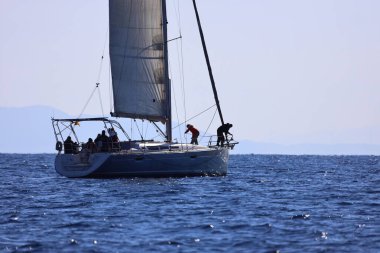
[
  {"x": 222, "y": 133},
  {"x": 194, "y": 132},
  {"x": 68, "y": 145}
]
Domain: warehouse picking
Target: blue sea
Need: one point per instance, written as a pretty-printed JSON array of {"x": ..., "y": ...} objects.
[{"x": 266, "y": 203}]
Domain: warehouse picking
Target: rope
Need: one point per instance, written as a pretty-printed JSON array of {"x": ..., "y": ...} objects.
[
  {"x": 131, "y": 128},
  {"x": 146, "y": 130},
  {"x": 88, "y": 101},
  {"x": 97, "y": 82},
  {"x": 192, "y": 118},
  {"x": 138, "y": 129},
  {"x": 178, "y": 15},
  {"x": 195, "y": 116},
  {"x": 182, "y": 77},
  {"x": 175, "y": 105},
  {"x": 100, "y": 72},
  {"x": 101, "y": 102},
  {"x": 209, "y": 125},
  {"x": 180, "y": 59}
]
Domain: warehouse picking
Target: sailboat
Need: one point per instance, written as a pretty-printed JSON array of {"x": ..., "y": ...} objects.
[{"x": 141, "y": 90}]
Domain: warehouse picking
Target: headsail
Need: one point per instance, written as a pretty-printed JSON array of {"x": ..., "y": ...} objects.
[{"x": 137, "y": 59}]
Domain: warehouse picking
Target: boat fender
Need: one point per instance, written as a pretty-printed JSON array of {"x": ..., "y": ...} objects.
[{"x": 58, "y": 146}]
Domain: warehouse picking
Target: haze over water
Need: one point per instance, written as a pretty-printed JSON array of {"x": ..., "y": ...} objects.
[{"x": 265, "y": 204}]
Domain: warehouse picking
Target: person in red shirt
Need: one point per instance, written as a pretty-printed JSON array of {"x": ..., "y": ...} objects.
[{"x": 194, "y": 132}]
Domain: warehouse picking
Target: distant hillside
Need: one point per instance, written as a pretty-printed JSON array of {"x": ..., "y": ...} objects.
[
  {"x": 250, "y": 147},
  {"x": 29, "y": 130}
]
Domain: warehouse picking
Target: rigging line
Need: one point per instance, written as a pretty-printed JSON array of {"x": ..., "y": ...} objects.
[
  {"x": 100, "y": 99},
  {"x": 158, "y": 130},
  {"x": 101, "y": 61},
  {"x": 105, "y": 41},
  {"x": 180, "y": 56},
  {"x": 189, "y": 119},
  {"x": 175, "y": 104},
  {"x": 138, "y": 129},
  {"x": 183, "y": 78},
  {"x": 98, "y": 81},
  {"x": 66, "y": 127},
  {"x": 100, "y": 73},
  {"x": 146, "y": 130},
  {"x": 131, "y": 129},
  {"x": 209, "y": 125},
  {"x": 178, "y": 14},
  {"x": 181, "y": 75},
  {"x": 181, "y": 65},
  {"x": 195, "y": 116},
  {"x": 179, "y": 37},
  {"x": 100, "y": 69},
  {"x": 175, "y": 9},
  {"x": 88, "y": 101},
  {"x": 142, "y": 129}
]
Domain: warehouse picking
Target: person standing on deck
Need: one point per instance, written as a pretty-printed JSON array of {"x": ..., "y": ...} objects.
[
  {"x": 68, "y": 145},
  {"x": 222, "y": 132},
  {"x": 194, "y": 132},
  {"x": 114, "y": 140},
  {"x": 105, "y": 142},
  {"x": 91, "y": 146}
]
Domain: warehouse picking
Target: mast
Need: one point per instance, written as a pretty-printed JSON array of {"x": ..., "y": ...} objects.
[
  {"x": 166, "y": 74},
  {"x": 208, "y": 63}
]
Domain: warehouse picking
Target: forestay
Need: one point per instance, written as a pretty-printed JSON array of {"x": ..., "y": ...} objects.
[{"x": 137, "y": 59}]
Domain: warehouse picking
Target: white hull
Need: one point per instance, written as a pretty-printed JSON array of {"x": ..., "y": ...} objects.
[{"x": 196, "y": 162}]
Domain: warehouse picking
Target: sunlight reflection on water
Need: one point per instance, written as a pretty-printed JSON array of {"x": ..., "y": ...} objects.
[{"x": 265, "y": 204}]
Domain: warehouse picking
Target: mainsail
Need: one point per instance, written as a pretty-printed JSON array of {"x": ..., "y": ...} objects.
[{"x": 140, "y": 89}]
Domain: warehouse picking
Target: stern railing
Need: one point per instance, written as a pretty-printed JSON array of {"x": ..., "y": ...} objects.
[{"x": 229, "y": 142}]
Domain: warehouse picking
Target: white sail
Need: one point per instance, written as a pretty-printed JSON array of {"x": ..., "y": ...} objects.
[{"x": 137, "y": 59}]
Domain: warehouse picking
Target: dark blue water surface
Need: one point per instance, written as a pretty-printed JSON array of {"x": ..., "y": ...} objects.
[{"x": 266, "y": 203}]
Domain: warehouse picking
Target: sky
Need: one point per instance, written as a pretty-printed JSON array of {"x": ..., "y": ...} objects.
[{"x": 287, "y": 72}]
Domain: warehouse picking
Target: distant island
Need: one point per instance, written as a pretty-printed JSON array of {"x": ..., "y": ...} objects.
[
  {"x": 251, "y": 147},
  {"x": 29, "y": 130}
]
